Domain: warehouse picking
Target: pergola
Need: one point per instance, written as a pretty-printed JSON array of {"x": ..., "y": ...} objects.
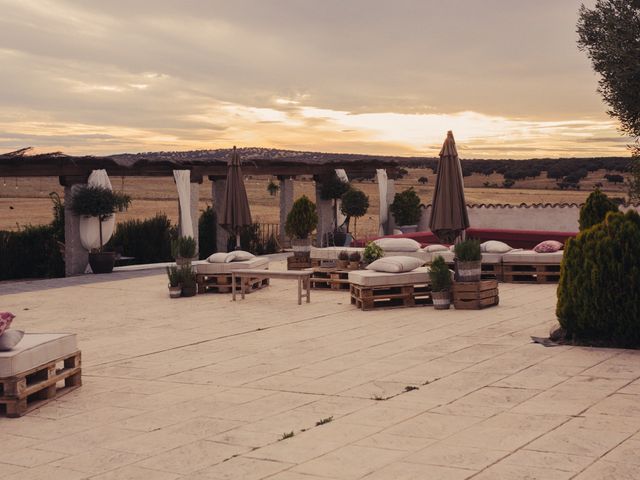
[{"x": 285, "y": 165}]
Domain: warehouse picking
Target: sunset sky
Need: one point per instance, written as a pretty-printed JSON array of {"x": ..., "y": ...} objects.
[{"x": 360, "y": 76}]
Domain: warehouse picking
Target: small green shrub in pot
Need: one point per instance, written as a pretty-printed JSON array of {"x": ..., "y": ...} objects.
[
  {"x": 372, "y": 252},
  {"x": 595, "y": 209},
  {"x": 468, "y": 260},
  {"x": 302, "y": 220},
  {"x": 406, "y": 209},
  {"x": 183, "y": 250},
  {"x": 354, "y": 205},
  {"x": 354, "y": 260},
  {"x": 175, "y": 286},
  {"x": 343, "y": 259},
  {"x": 440, "y": 276},
  {"x": 187, "y": 280}
]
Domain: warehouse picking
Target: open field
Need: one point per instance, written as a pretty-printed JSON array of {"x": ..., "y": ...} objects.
[{"x": 29, "y": 202}]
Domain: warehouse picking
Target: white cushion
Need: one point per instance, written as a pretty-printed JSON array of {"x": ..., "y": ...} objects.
[
  {"x": 419, "y": 254},
  {"x": 34, "y": 350},
  {"x": 371, "y": 278},
  {"x": 207, "y": 268},
  {"x": 448, "y": 256},
  {"x": 220, "y": 257},
  {"x": 395, "y": 264},
  {"x": 436, "y": 248},
  {"x": 239, "y": 256},
  {"x": 331, "y": 253},
  {"x": 531, "y": 257},
  {"x": 494, "y": 246},
  {"x": 9, "y": 339},
  {"x": 397, "y": 244}
]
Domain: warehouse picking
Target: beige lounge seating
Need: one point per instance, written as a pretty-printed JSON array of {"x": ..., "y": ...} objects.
[
  {"x": 529, "y": 256},
  {"x": 370, "y": 278},
  {"x": 207, "y": 268},
  {"x": 527, "y": 266},
  {"x": 36, "y": 349},
  {"x": 331, "y": 253}
]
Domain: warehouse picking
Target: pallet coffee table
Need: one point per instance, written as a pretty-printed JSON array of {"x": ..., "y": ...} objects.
[{"x": 302, "y": 276}]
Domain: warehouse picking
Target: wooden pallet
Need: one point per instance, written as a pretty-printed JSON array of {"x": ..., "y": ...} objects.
[
  {"x": 329, "y": 278},
  {"x": 531, "y": 273},
  {"x": 475, "y": 295},
  {"x": 298, "y": 263},
  {"x": 369, "y": 298},
  {"x": 221, "y": 283},
  {"x": 36, "y": 387}
]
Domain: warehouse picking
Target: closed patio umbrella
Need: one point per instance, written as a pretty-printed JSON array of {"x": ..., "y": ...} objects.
[
  {"x": 235, "y": 211},
  {"x": 449, "y": 217}
]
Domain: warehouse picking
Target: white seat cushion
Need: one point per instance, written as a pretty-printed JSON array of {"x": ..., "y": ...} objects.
[
  {"x": 494, "y": 246},
  {"x": 36, "y": 349},
  {"x": 397, "y": 244},
  {"x": 395, "y": 264},
  {"x": 531, "y": 257},
  {"x": 214, "y": 268},
  {"x": 370, "y": 278},
  {"x": 420, "y": 254},
  {"x": 436, "y": 248},
  {"x": 448, "y": 256},
  {"x": 331, "y": 253}
]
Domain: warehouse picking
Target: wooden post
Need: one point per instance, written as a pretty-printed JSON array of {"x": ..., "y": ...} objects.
[
  {"x": 286, "y": 202},
  {"x": 76, "y": 258},
  {"x": 217, "y": 196}
]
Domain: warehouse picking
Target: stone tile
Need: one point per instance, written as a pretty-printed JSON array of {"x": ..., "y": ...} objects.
[
  {"x": 571, "y": 439},
  {"x": 98, "y": 460},
  {"x": 626, "y": 452},
  {"x": 7, "y": 470},
  {"x": 240, "y": 467},
  {"x": 152, "y": 443},
  {"x": 415, "y": 471},
  {"x": 349, "y": 462},
  {"x": 557, "y": 461},
  {"x": 81, "y": 441},
  {"x": 133, "y": 472},
  {"x": 603, "y": 470},
  {"x": 192, "y": 457},
  {"x": 433, "y": 425},
  {"x": 245, "y": 437},
  {"x": 446, "y": 455},
  {"x": 48, "y": 472},
  {"x": 395, "y": 442},
  {"x": 30, "y": 457},
  {"x": 504, "y": 471},
  {"x": 618, "y": 404}
]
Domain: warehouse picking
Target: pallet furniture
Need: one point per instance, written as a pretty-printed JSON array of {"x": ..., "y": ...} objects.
[
  {"x": 298, "y": 263},
  {"x": 527, "y": 266},
  {"x": 475, "y": 295},
  {"x": 302, "y": 276},
  {"x": 372, "y": 290},
  {"x": 41, "y": 368},
  {"x": 216, "y": 277},
  {"x": 329, "y": 278},
  {"x": 491, "y": 264}
]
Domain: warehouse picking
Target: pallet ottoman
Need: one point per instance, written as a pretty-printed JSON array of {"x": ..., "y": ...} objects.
[
  {"x": 491, "y": 263},
  {"x": 41, "y": 368},
  {"x": 527, "y": 266},
  {"x": 216, "y": 277},
  {"x": 370, "y": 289}
]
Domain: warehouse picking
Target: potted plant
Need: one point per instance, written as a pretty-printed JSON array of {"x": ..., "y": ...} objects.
[
  {"x": 354, "y": 260},
  {"x": 372, "y": 252},
  {"x": 406, "y": 210},
  {"x": 333, "y": 188},
  {"x": 343, "y": 259},
  {"x": 354, "y": 205},
  {"x": 188, "y": 281},
  {"x": 301, "y": 221},
  {"x": 102, "y": 203},
  {"x": 183, "y": 250},
  {"x": 440, "y": 276},
  {"x": 175, "y": 287},
  {"x": 468, "y": 261}
]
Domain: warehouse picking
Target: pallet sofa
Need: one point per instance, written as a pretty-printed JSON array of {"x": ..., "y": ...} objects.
[
  {"x": 41, "y": 368},
  {"x": 216, "y": 277},
  {"x": 369, "y": 289}
]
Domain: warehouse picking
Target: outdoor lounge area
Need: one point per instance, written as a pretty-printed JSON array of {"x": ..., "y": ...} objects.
[{"x": 208, "y": 388}]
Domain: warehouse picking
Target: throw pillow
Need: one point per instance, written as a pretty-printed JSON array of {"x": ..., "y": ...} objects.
[
  {"x": 494, "y": 246},
  {"x": 217, "y": 257},
  {"x": 397, "y": 244},
  {"x": 239, "y": 256},
  {"x": 5, "y": 320},
  {"x": 436, "y": 248},
  {"x": 395, "y": 264},
  {"x": 10, "y": 339},
  {"x": 548, "y": 246}
]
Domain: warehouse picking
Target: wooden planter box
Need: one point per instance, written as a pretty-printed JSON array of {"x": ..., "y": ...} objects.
[
  {"x": 36, "y": 387},
  {"x": 369, "y": 298},
  {"x": 298, "y": 263},
  {"x": 475, "y": 295}
]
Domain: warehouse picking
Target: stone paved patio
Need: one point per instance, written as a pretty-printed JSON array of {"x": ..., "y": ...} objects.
[{"x": 204, "y": 388}]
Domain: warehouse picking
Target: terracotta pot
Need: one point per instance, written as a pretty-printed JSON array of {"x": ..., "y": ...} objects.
[
  {"x": 175, "y": 292},
  {"x": 469, "y": 271},
  {"x": 441, "y": 300},
  {"x": 102, "y": 262}
]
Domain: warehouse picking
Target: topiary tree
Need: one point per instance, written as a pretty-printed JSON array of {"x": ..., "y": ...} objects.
[
  {"x": 302, "y": 219},
  {"x": 355, "y": 204},
  {"x": 595, "y": 209},
  {"x": 599, "y": 283},
  {"x": 207, "y": 232},
  {"x": 423, "y": 180},
  {"x": 406, "y": 207},
  {"x": 332, "y": 188}
]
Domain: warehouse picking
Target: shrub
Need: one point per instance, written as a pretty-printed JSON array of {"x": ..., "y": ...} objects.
[
  {"x": 355, "y": 204},
  {"x": 508, "y": 183},
  {"x": 272, "y": 188},
  {"x": 372, "y": 252},
  {"x": 207, "y": 232},
  {"x": 332, "y": 188},
  {"x": 187, "y": 276},
  {"x": 355, "y": 257},
  {"x": 468, "y": 251},
  {"x": 343, "y": 255},
  {"x": 598, "y": 297},
  {"x": 423, "y": 180},
  {"x": 406, "y": 207},
  {"x": 595, "y": 209},
  {"x": 440, "y": 275},
  {"x": 173, "y": 275},
  {"x": 302, "y": 219},
  {"x": 183, "y": 247},
  {"x": 33, "y": 252},
  {"x": 148, "y": 241}
]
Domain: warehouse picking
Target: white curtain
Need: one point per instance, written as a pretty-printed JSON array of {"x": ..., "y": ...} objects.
[
  {"x": 90, "y": 226},
  {"x": 342, "y": 175},
  {"x": 183, "y": 183},
  {"x": 384, "y": 207}
]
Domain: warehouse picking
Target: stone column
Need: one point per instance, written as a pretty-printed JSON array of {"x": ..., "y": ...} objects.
[
  {"x": 286, "y": 202},
  {"x": 391, "y": 192},
  {"x": 217, "y": 197},
  {"x": 195, "y": 211},
  {"x": 325, "y": 215},
  {"x": 76, "y": 258}
]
